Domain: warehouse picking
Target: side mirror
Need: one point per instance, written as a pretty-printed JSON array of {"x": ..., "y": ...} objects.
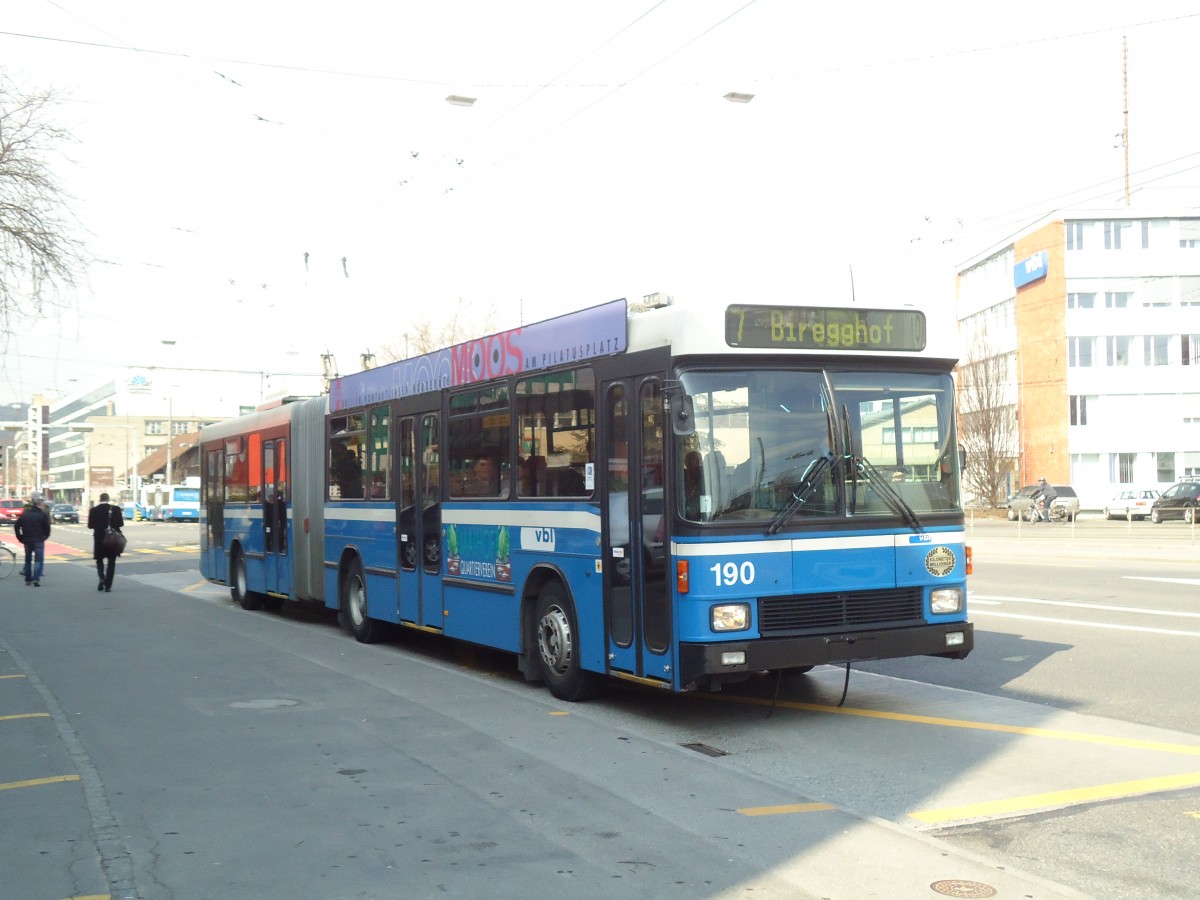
[{"x": 683, "y": 420}]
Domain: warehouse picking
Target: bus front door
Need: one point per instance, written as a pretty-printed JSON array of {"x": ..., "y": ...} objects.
[
  {"x": 276, "y": 569},
  {"x": 637, "y": 603},
  {"x": 420, "y": 521}
]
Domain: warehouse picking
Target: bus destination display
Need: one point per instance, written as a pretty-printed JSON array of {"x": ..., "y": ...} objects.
[{"x": 824, "y": 328}]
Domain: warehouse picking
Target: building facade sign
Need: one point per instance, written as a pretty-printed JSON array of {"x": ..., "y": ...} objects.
[{"x": 1030, "y": 270}]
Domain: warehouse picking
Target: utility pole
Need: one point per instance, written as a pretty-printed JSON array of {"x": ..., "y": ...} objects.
[{"x": 1125, "y": 126}]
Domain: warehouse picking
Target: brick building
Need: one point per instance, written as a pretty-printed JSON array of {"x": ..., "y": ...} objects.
[{"x": 1095, "y": 317}]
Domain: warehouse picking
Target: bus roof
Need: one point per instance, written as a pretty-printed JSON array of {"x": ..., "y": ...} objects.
[
  {"x": 586, "y": 334},
  {"x": 726, "y": 326}
]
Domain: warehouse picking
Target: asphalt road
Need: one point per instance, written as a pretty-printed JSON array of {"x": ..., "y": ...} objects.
[{"x": 226, "y": 753}]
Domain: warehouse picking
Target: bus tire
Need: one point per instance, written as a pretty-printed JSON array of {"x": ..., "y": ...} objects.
[
  {"x": 242, "y": 595},
  {"x": 353, "y": 606},
  {"x": 558, "y": 646}
]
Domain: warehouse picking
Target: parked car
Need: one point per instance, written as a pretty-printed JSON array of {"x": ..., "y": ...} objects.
[
  {"x": 1179, "y": 501},
  {"x": 10, "y": 510},
  {"x": 64, "y": 512},
  {"x": 1131, "y": 503},
  {"x": 1067, "y": 500}
]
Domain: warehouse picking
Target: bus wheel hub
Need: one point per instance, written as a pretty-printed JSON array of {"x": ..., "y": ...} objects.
[{"x": 554, "y": 639}]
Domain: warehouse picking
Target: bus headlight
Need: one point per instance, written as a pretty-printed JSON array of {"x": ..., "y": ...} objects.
[
  {"x": 730, "y": 617},
  {"x": 946, "y": 600}
]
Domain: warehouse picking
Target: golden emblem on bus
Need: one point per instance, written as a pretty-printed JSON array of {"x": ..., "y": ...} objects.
[{"x": 939, "y": 562}]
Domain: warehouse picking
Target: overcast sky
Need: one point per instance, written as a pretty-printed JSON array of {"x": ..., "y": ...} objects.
[{"x": 263, "y": 181}]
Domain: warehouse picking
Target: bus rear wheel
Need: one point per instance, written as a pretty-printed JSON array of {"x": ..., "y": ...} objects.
[
  {"x": 558, "y": 647},
  {"x": 243, "y": 596},
  {"x": 353, "y": 607}
]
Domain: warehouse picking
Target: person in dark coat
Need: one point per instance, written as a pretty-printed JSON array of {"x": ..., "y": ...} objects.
[
  {"x": 33, "y": 530},
  {"x": 104, "y": 514}
]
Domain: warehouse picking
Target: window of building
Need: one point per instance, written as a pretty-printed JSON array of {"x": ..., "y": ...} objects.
[
  {"x": 1117, "y": 350},
  {"x": 1081, "y": 301},
  {"x": 1155, "y": 346},
  {"x": 1189, "y": 233},
  {"x": 1190, "y": 348},
  {"x": 1189, "y": 290},
  {"x": 1078, "y": 409},
  {"x": 156, "y": 427},
  {"x": 480, "y": 425},
  {"x": 1124, "y": 473},
  {"x": 1165, "y": 463},
  {"x": 1113, "y": 231},
  {"x": 1117, "y": 299},
  {"x": 1079, "y": 352},
  {"x": 1156, "y": 292},
  {"x": 1075, "y": 235}
]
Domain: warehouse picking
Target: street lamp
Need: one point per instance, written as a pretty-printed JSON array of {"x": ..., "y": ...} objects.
[{"x": 170, "y": 439}]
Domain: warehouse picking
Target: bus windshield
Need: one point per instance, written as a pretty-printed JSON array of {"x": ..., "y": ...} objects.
[{"x": 815, "y": 445}]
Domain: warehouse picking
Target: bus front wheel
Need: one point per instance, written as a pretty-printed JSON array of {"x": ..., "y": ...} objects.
[
  {"x": 353, "y": 611},
  {"x": 558, "y": 647},
  {"x": 243, "y": 596}
]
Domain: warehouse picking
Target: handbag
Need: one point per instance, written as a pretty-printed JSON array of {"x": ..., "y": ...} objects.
[{"x": 112, "y": 542}]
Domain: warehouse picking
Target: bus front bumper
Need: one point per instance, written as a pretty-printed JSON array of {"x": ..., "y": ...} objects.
[{"x": 706, "y": 666}]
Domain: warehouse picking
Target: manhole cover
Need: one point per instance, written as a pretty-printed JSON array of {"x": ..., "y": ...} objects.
[
  {"x": 266, "y": 703},
  {"x": 954, "y": 887}
]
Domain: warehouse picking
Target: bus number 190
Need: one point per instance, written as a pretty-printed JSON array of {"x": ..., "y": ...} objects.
[{"x": 730, "y": 573}]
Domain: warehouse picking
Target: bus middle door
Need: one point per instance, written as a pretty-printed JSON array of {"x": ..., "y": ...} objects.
[
  {"x": 275, "y": 517},
  {"x": 637, "y": 603},
  {"x": 420, "y": 518}
]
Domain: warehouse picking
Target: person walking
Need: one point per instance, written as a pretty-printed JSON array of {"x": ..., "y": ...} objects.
[
  {"x": 33, "y": 530},
  {"x": 103, "y": 515}
]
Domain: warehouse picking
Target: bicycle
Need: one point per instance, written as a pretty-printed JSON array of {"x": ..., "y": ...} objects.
[
  {"x": 8, "y": 560},
  {"x": 1035, "y": 513}
]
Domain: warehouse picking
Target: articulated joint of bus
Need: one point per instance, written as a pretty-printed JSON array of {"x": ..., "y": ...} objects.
[{"x": 708, "y": 666}]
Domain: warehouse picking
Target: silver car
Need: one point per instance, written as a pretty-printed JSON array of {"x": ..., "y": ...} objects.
[{"x": 1067, "y": 500}]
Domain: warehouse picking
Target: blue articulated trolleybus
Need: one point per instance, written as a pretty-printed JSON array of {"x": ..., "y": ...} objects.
[{"x": 678, "y": 496}]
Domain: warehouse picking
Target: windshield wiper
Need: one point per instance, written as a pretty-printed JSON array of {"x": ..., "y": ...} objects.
[
  {"x": 888, "y": 493},
  {"x": 807, "y": 484}
]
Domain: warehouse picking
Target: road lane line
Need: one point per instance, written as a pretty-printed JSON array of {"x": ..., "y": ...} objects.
[
  {"x": 2, "y": 677},
  {"x": 1054, "y": 799},
  {"x": 1075, "y": 604},
  {"x": 35, "y": 782},
  {"x": 785, "y": 809},
  {"x": 1080, "y": 737},
  {"x": 24, "y": 716},
  {"x": 1109, "y": 625},
  {"x": 1195, "y": 581}
]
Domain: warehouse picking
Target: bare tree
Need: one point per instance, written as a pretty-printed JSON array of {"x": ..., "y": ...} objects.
[
  {"x": 425, "y": 336},
  {"x": 37, "y": 254},
  {"x": 987, "y": 420}
]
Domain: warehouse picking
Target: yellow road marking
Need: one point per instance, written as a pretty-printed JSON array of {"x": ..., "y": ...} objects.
[
  {"x": 1059, "y": 798},
  {"x": 25, "y": 716},
  {"x": 11, "y": 676},
  {"x": 91, "y": 897},
  {"x": 194, "y": 587},
  {"x": 785, "y": 809},
  {"x": 1077, "y": 736},
  {"x": 34, "y": 782}
]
